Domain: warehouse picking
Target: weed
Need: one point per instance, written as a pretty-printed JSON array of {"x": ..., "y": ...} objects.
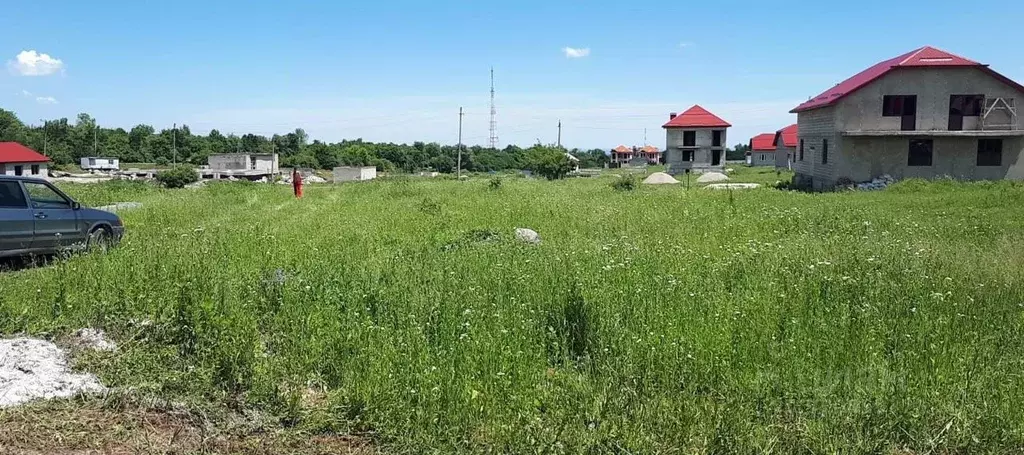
[{"x": 626, "y": 182}]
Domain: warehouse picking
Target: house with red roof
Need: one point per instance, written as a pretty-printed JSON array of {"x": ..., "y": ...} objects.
[
  {"x": 695, "y": 141},
  {"x": 635, "y": 156},
  {"x": 18, "y": 160},
  {"x": 762, "y": 150},
  {"x": 927, "y": 113},
  {"x": 785, "y": 146}
]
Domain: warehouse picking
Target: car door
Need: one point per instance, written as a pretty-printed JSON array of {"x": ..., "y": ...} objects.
[
  {"x": 16, "y": 220},
  {"x": 56, "y": 220}
]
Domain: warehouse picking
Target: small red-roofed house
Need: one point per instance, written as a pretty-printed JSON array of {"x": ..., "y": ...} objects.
[
  {"x": 695, "y": 141},
  {"x": 762, "y": 150},
  {"x": 18, "y": 160}
]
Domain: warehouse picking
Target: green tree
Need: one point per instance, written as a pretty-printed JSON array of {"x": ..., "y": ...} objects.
[{"x": 549, "y": 162}]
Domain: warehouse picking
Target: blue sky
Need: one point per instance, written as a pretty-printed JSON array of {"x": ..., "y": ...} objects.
[{"x": 399, "y": 70}]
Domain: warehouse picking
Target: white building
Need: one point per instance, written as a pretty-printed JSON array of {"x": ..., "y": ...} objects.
[
  {"x": 354, "y": 174},
  {"x": 264, "y": 162},
  {"x": 94, "y": 163},
  {"x": 18, "y": 160}
]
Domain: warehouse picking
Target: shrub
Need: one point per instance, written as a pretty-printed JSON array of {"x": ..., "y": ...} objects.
[
  {"x": 549, "y": 162},
  {"x": 626, "y": 183},
  {"x": 177, "y": 176},
  {"x": 495, "y": 183},
  {"x": 161, "y": 161}
]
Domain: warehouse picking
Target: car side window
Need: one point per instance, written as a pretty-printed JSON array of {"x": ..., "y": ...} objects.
[
  {"x": 11, "y": 196},
  {"x": 44, "y": 197}
]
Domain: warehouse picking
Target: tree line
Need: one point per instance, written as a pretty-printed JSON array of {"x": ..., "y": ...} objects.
[{"x": 65, "y": 142}]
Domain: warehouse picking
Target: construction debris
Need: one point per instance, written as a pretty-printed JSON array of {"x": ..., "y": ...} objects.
[
  {"x": 118, "y": 206},
  {"x": 33, "y": 369},
  {"x": 732, "y": 186},
  {"x": 878, "y": 183},
  {"x": 92, "y": 339}
]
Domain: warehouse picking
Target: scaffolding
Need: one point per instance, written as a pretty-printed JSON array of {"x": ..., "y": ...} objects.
[{"x": 999, "y": 114}]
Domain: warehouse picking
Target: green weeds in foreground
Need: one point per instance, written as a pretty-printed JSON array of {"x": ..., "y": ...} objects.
[{"x": 658, "y": 320}]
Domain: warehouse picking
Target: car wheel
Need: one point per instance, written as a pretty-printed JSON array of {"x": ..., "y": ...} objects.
[{"x": 100, "y": 240}]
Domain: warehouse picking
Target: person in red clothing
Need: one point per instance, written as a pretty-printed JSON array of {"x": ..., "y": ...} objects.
[{"x": 297, "y": 182}]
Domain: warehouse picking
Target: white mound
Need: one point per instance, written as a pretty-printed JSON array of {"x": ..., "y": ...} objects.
[
  {"x": 711, "y": 177},
  {"x": 660, "y": 178}
]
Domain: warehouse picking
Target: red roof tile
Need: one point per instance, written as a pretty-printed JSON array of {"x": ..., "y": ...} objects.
[
  {"x": 924, "y": 57},
  {"x": 13, "y": 152},
  {"x": 622, "y": 149},
  {"x": 788, "y": 136},
  {"x": 762, "y": 143},
  {"x": 650, "y": 149},
  {"x": 696, "y": 117}
]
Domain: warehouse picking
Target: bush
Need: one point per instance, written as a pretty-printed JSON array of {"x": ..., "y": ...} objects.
[
  {"x": 161, "y": 161},
  {"x": 549, "y": 162},
  {"x": 177, "y": 176},
  {"x": 626, "y": 183},
  {"x": 495, "y": 183}
]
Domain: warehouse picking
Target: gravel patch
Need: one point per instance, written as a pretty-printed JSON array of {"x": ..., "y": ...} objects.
[{"x": 33, "y": 369}]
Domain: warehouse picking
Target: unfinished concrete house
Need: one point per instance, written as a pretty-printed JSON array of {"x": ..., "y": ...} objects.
[
  {"x": 926, "y": 113},
  {"x": 354, "y": 173},
  {"x": 762, "y": 150},
  {"x": 241, "y": 165},
  {"x": 695, "y": 141},
  {"x": 785, "y": 146}
]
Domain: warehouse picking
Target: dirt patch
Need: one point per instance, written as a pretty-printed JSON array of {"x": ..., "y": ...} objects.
[{"x": 91, "y": 429}]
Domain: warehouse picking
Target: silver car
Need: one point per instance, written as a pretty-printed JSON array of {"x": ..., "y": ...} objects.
[{"x": 37, "y": 218}]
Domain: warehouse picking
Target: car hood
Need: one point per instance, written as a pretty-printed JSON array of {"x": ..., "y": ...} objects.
[{"x": 91, "y": 214}]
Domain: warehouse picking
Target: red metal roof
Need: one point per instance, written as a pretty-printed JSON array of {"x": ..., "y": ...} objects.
[
  {"x": 763, "y": 143},
  {"x": 696, "y": 117},
  {"x": 788, "y": 136},
  {"x": 924, "y": 57},
  {"x": 13, "y": 152}
]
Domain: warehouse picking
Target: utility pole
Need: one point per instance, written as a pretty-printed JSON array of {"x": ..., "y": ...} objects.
[
  {"x": 559, "y": 132},
  {"x": 44, "y": 136},
  {"x": 645, "y": 137},
  {"x": 95, "y": 141},
  {"x": 458, "y": 172},
  {"x": 174, "y": 143}
]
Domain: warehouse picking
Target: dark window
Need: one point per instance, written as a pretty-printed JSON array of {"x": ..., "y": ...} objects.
[
  {"x": 990, "y": 152},
  {"x": 11, "y": 196},
  {"x": 18, "y": 170},
  {"x": 716, "y": 138},
  {"x": 687, "y": 155},
  {"x": 45, "y": 197},
  {"x": 824, "y": 151},
  {"x": 801, "y": 149},
  {"x": 899, "y": 105},
  {"x": 920, "y": 152},
  {"x": 966, "y": 105},
  {"x": 689, "y": 138},
  {"x": 35, "y": 169}
]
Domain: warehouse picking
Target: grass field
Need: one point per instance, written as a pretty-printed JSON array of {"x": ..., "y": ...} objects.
[{"x": 654, "y": 321}]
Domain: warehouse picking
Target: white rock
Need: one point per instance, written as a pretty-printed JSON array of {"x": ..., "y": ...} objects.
[
  {"x": 35, "y": 369},
  {"x": 120, "y": 206},
  {"x": 711, "y": 177},
  {"x": 527, "y": 235},
  {"x": 314, "y": 179},
  {"x": 95, "y": 339}
]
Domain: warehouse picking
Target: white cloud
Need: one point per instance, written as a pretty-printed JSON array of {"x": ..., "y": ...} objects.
[
  {"x": 32, "y": 63},
  {"x": 46, "y": 100},
  {"x": 572, "y": 52},
  {"x": 26, "y": 93},
  {"x": 686, "y": 44}
]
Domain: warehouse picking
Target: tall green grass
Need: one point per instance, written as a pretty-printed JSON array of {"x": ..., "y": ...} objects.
[{"x": 658, "y": 320}]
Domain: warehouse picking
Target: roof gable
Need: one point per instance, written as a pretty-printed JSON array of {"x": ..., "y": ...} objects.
[
  {"x": 696, "y": 117},
  {"x": 622, "y": 149},
  {"x": 13, "y": 152},
  {"x": 788, "y": 135},
  {"x": 762, "y": 143},
  {"x": 920, "y": 58}
]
